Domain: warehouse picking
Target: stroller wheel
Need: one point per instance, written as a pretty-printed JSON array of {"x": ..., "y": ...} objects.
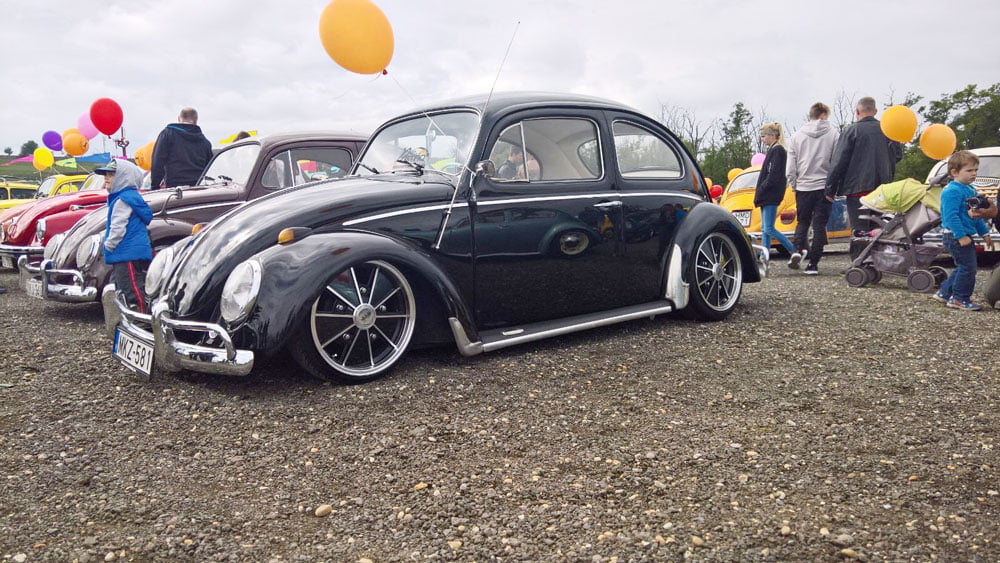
[
  {"x": 920, "y": 281},
  {"x": 940, "y": 274},
  {"x": 856, "y": 277},
  {"x": 873, "y": 273}
]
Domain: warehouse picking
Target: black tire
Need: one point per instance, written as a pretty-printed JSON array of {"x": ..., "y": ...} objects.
[
  {"x": 856, "y": 277},
  {"x": 359, "y": 325},
  {"x": 715, "y": 275},
  {"x": 921, "y": 281},
  {"x": 940, "y": 274},
  {"x": 873, "y": 273}
]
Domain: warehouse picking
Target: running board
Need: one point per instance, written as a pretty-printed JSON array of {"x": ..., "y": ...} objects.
[{"x": 501, "y": 338}]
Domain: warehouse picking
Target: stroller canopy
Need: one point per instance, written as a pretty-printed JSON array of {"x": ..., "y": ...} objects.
[{"x": 899, "y": 197}]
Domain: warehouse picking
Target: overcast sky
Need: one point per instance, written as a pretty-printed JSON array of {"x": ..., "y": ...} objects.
[{"x": 260, "y": 65}]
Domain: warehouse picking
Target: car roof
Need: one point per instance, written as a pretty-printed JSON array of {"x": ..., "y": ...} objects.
[
  {"x": 507, "y": 101},
  {"x": 266, "y": 141},
  {"x": 986, "y": 151}
]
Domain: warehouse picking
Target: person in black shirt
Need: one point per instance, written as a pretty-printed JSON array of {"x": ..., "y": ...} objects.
[{"x": 181, "y": 153}]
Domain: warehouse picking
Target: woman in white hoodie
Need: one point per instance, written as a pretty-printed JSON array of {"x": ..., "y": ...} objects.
[{"x": 810, "y": 152}]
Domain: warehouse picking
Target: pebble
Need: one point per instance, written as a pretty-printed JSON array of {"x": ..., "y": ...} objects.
[
  {"x": 842, "y": 540},
  {"x": 324, "y": 510},
  {"x": 848, "y": 552},
  {"x": 697, "y": 541},
  {"x": 785, "y": 530}
]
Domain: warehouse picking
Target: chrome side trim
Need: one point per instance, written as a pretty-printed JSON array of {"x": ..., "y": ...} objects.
[
  {"x": 568, "y": 329},
  {"x": 402, "y": 212},
  {"x": 465, "y": 346},
  {"x": 180, "y": 210},
  {"x": 678, "y": 291}
]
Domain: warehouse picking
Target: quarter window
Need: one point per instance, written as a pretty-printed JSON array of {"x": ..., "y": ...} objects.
[
  {"x": 643, "y": 155},
  {"x": 556, "y": 149},
  {"x": 308, "y": 164}
]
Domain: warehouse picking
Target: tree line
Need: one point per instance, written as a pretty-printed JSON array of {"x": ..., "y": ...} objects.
[{"x": 720, "y": 145}]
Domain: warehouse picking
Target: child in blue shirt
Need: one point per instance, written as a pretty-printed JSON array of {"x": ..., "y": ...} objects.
[
  {"x": 127, "y": 248},
  {"x": 958, "y": 226}
]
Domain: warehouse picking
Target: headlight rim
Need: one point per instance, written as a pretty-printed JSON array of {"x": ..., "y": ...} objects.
[
  {"x": 156, "y": 275},
  {"x": 91, "y": 246},
  {"x": 49, "y": 250},
  {"x": 227, "y": 300}
]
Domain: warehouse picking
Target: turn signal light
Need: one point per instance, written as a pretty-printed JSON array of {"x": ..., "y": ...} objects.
[
  {"x": 293, "y": 234},
  {"x": 197, "y": 228}
]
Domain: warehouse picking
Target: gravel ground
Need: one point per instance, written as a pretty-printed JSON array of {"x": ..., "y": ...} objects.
[{"x": 819, "y": 422}]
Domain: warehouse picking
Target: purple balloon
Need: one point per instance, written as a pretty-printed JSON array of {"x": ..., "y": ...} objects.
[
  {"x": 86, "y": 126},
  {"x": 52, "y": 140}
]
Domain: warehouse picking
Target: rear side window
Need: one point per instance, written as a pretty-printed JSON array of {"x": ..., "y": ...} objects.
[
  {"x": 547, "y": 150},
  {"x": 22, "y": 193},
  {"x": 644, "y": 155}
]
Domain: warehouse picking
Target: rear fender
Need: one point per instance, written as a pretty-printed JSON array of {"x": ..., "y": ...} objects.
[
  {"x": 293, "y": 275},
  {"x": 709, "y": 217}
]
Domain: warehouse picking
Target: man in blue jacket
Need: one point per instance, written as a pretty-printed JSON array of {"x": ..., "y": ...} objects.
[
  {"x": 127, "y": 248},
  {"x": 181, "y": 153}
]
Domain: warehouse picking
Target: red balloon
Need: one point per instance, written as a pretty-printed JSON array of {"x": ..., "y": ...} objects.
[{"x": 106, "y": 115}]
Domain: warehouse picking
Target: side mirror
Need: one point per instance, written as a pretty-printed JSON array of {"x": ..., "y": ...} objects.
[
  {"x": 715, "y": 191},
  {"x": 486, "y": 168},
  {"x": 175, "y": 193}
]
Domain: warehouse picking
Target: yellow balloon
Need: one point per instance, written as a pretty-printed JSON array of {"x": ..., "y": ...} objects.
[
  {"x": 356, "y": 35},
  {"x": 144, "y": 156},
  {"x": 899, "y": 123},
  {"x": 42, "y": 158},
  {"x": 75, "y": 144},
  {"x": 733, "y": 172},
  {"x": 938, "y": 141}
]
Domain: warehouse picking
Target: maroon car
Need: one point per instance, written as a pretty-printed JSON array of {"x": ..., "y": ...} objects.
[{"x": 73, "y": 269}]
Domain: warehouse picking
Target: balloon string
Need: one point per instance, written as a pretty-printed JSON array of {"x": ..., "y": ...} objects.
[{"x": 351, "y": 90}]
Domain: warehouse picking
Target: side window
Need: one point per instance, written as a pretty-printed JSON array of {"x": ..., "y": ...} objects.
[
  {"x": 3, "y": 193},
  {"x": 556, "y": 149},
  {"x": 643, "y": 155},
  {"x": 307, "y": 164}
]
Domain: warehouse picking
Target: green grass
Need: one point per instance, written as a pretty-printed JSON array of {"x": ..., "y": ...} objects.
[{"x": 26, "y": 171}]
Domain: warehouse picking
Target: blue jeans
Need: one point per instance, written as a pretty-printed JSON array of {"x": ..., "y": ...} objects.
[
  {"x": 962, "y": 280},
  {"x": 767, "y": 215}
]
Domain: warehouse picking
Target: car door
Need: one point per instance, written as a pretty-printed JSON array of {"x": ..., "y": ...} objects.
[{"x": 557, "y": 252}]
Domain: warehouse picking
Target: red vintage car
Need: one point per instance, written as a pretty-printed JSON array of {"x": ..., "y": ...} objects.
[{"x": 25, "y": 229}]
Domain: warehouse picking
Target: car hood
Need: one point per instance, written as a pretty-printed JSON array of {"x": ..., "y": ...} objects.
[
  {"x": 24, "y": 228},
  {"x": 201, "y": 269}
]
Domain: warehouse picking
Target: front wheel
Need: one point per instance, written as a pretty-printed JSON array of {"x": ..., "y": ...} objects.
[
  {"x": 359, "y": 326},
  {"x": 716, "y": 277}
]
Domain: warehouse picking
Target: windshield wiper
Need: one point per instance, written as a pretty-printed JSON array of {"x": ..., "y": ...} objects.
[
  {"x": 415, "y": 165},
  {"x": 368, "y": 168},
  {"x": 226, "y": 178}
]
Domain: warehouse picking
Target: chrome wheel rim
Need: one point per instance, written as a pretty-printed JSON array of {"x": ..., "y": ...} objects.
[
  {"x": 717, "y": 272},
  {"x": 363, "y": 320}
]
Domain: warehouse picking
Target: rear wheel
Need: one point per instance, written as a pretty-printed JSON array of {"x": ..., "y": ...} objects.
[
  {"x": 716, "y": 276},
  {"x": 856, "y": 277},
  {"x": 873, "y": 273},
  {"x": 920, "y": 281},
  {"x": 940, "y": 274},
  {"x": 359, "y": 326}
]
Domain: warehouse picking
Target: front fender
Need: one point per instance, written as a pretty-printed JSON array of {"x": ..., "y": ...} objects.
[
  {"x": 293, "y": 275},
  {"x": 708, "y": 217}
]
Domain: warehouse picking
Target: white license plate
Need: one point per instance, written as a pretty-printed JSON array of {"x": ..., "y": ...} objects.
[
  {"x": 743, "y": 217},
  {"x": 8, "y": 262},
  {"x": 33, "y": 288},
  {"x": 134, "y": 353}
]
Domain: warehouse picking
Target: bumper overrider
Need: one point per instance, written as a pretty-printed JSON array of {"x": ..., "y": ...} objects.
[
  {"x": 44, "y": 273},
  {"x": 11, "y": 254},
  {"x": 158, "y": 330}
]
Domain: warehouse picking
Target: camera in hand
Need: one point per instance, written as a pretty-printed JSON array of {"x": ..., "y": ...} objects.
[{"x": 978, "y": 202}]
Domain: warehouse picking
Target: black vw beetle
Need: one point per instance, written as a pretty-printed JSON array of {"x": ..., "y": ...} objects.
[{"x": 486, "y": 222}]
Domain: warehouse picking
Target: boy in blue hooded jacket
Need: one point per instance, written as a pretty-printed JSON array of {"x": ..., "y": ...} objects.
[{"x": 127, "y": 248}]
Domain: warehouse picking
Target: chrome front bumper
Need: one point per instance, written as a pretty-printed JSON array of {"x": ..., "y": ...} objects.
[
  {"x": 77, "y": 292},
  {"x": 14, "y": 252},
  {"x": 169, "y": 353}
]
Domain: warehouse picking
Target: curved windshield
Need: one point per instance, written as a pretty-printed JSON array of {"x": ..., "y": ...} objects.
[
  {"x": 232, "y": 165},
  {"x": 746, "y": 181},
  {"x": 46, "y": 187},
  {"x": 440, "y": 141}
]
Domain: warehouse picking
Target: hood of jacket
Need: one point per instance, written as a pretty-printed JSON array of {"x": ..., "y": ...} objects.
[
  {"x": 817, "y": 128},
  {"x": 126, "y": 175},
  {"x": 190, "y": 131}
]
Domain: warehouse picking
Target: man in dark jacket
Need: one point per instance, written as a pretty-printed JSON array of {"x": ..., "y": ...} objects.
[
  {"x": 181, "y": 153},
  {"x": 863, "y": 159}
]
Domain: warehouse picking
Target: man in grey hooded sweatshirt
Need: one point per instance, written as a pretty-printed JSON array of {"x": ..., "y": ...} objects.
[{"x": 810, "y": 153}]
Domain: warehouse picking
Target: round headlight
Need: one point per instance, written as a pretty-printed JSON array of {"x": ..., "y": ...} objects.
[
  {"x": 52, "y": 246},
  {"x": 40, "y": 230},
  {"x": 240, "y": 292},
  {"x": 158, "y": 270},
  {"x": 87, "y": 252}
]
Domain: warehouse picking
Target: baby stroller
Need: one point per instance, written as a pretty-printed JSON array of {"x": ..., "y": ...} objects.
[{"x": 905, "y": 211}]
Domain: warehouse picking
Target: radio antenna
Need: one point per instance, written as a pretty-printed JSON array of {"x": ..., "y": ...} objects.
[{"x": 500, "y": 69}]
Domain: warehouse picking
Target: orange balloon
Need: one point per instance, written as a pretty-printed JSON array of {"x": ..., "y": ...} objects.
[
  {"x": 75, "y": 144},
  {"x": 938, "y": 141},
  {"x": 356, "y": 35},
  {"x": 70, "y": 131},
  {"x": 144, "y": 156},
  {"x": 899, "y": 123}
]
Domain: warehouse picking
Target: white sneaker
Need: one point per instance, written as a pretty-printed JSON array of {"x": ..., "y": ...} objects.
[{"x": 794, "y": 261}]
